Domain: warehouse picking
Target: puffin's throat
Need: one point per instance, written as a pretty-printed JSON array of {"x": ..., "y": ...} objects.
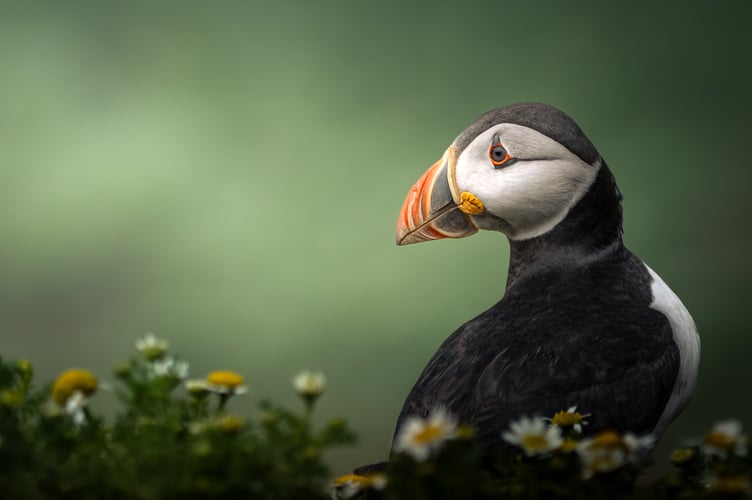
[{"x": 591, "y": 230}]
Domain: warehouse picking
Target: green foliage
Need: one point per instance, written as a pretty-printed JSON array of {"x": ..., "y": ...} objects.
[
  {"x": 176, "y": 439},
  {"x": 162, "y": 445},
  {"x": 551, "y": 459}
]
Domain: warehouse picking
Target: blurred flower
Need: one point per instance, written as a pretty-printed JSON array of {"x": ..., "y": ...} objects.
[
  {"x": 734, "y": 485},
  {"x": 151, "y": 347},
  {"x": 228, "y": 423},
  {"x": 311, "y": 453},
  {"x": 197, "y": 387},
  {"x": 308, "y": 384},
  {"x": 683, "y": 456},
  {"x": 534, "y": 436},
  {"x": 202, "y": 448},
  {"x": 198, "y": 426},
  {"x": 168, "y": 367},
  {"x": 24, "y": 366},
  {"x": 12, "y": 398},
  {"x": 71, "y": 381},
  {"x": 225, "y": 382},
  {"x": 122, "y": 371},
  {"x": 609, "y": 450},
  {"x": 75, "y": 406},
  {"x": 569, "y": 419},
  {"x": 569, "y": 445},
  {"x": 638, "y": 446},
  {"x": 418, "y": 437},
  {"x": 725, "y": 438},
  {"x": 269, "y": 417},
  {"x": 603, "y": 453},
  {"x": 349, "y": 485}
]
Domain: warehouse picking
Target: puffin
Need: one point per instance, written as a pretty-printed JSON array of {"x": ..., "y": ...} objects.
[{"x": 583, "y": 321}]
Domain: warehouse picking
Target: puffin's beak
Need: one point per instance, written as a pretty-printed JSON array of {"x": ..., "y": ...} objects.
[{"x": 430, "y": 211}]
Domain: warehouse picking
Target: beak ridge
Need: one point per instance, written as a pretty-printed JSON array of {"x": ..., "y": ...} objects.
[{"x": 429, "y": 211}]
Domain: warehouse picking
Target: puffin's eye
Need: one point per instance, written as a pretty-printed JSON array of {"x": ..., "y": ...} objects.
[{"x": 498, "y": 153}]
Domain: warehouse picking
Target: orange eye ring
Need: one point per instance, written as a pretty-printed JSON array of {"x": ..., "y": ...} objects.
[{"x": 498, "y": 154}]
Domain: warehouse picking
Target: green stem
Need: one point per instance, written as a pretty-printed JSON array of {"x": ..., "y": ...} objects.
[{"x": 222, "y": 402}]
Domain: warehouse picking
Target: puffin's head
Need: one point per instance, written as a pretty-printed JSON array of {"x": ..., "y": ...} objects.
[{"x": 518, "y": 169}]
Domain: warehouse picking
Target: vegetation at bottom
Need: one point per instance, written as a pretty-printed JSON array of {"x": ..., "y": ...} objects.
[
  {"x": 176, "y": 438},
  {"x": 167, "y": 442}
]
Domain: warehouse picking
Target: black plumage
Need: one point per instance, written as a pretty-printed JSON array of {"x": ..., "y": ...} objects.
[{"x": 574, "y": 326}]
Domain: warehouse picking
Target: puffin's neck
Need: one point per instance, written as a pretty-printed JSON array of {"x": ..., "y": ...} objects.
[{"x": 591, "y": 231}]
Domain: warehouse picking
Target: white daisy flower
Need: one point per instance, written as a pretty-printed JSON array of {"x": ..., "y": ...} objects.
[
  {"x": 197, "y": 387},
  {"x": 180, "y": 370},
  {"x": 534, "y": 436},
  {"x": 309, "y": 384},
  {"x": 75, "y": 405},
  {"x": 419, "y": 437},
  {"x": 151, "y": 347},
  {"x": 725, "y": 438},
  {"x": 609, "y": 450},
  {"x": 350, "y": 485},
  {"x": 168, "y": 367},
  {"x": 569, "y": 419},
  {"x": 638, "y": 446}
]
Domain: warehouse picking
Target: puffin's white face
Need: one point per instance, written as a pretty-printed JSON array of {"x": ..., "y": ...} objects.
[{"x": 532, "y": 191}]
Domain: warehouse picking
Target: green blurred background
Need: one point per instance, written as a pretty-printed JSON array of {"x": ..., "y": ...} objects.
[{"x": 228, "y": 175}]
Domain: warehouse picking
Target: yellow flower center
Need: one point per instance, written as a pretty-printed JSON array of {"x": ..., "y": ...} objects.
[
  {"x": 350, "y": 478},
  {"x": 225, "y": 378},
  {"x": 566, "y": 419},
  {"x": 229, "y": 423},
  {"x": 720, "y": 440},
  {"x": 568, "y": 445},
  {"x": 731, "y": 485},
  {"x": 604, "y": 463},
  {"x": 682, "y": 456},
  {"x": 376, "y": 481},
  {"x": 309, "y": 384},
  {"x": 534, "y": 442},
  {"x": 607, "y": 439},
  {"x": 428, "y": 434},
  {"x": 71, "y": 381}
]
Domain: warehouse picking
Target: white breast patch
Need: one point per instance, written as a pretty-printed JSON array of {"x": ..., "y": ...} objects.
[{"x": 688, "y": 342}]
